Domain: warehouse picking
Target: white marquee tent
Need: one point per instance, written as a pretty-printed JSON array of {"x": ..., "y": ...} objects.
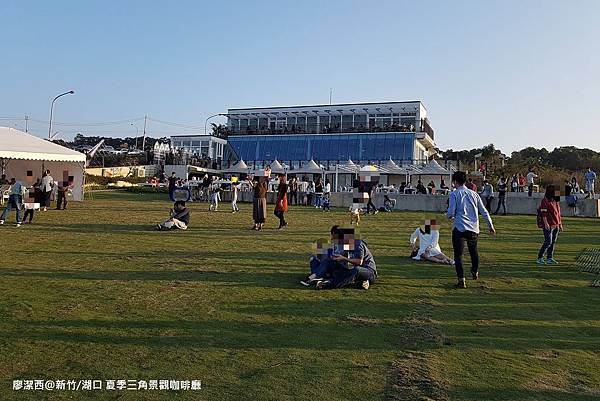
[
  {"x": 25, "y": 157},
  {"x": 239, "y": 168}
]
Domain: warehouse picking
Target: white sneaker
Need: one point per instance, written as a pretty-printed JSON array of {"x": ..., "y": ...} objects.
[
  {"x": 18, "y": 225},
  {"x": 1, "y": 222}
]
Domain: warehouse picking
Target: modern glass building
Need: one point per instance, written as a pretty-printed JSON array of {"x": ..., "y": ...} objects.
[
  {"x": 207, "y": 146},
  {"x": 363, "y": 132}
]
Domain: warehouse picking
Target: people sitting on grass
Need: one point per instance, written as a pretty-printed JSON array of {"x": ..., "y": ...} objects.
[
  {"x": 428, "y": 247},
  {"x": 388, "y": 203},
  {"x": 179, "y": 218},
  {"x": 349, "y": 263}
]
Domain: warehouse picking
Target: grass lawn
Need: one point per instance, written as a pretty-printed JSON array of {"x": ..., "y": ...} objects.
[{"x": 94, "y": 293}]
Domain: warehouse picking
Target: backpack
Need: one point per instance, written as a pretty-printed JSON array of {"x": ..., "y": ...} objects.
[{"x": 540, "y": 220}]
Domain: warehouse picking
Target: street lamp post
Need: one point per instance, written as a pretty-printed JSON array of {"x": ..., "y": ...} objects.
[
  {"x": 208, "y": 118},
  {"x": 52, "y": 109}
]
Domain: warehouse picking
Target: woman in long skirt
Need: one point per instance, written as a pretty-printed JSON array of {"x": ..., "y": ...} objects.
[{"x": 259, "y": 201}]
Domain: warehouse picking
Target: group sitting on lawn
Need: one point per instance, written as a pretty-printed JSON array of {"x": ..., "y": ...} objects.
[
  {"x": 179, "y": 218},
  {"x": 343, "y": 262}
]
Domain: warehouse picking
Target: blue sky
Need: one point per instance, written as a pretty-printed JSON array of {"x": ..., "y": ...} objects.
[{"x": 512, "y": 73}]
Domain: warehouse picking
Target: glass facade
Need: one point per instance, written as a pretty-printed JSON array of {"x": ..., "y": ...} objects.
[
  {"x": 324, "y": 123},
  {"x": 371, "y": 147},
  {"x": 203, "y": 146}
]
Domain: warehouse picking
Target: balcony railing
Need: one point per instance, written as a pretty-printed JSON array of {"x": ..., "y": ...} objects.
[{"x": 325, "y": 129}]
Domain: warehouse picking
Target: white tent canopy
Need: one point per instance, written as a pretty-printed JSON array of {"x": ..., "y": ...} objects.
[
  {"x": 350, "y": 166},
  {"x": 25, "y": 156},
  {"x": 240, "y": 168},
  {"x": 277, "y": 168},
  {"x": 391, "y": 168},
  {"x": 432, "y": 168},
  {"x": 18, "y": 145},
  {"x": 309, "y": 168}
]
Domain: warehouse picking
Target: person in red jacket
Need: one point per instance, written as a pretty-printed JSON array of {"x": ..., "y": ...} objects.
[
  {"x": 552, "y": 224},
  {"x": 281, "y": 206},
  {"x": 471, "y": 185}
]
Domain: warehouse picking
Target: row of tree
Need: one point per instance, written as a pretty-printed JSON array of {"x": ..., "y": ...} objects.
[
  {"x": 117, "y": 143},
  {"x": 565, "y": 157},
  {"x": 554, "y": 167}
]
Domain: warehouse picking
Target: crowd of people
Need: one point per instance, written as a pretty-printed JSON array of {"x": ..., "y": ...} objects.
[
  {"x": 320, "y": 128},
  {"x": 344, "y": 260},
  {"x": 25, "y": 199}
]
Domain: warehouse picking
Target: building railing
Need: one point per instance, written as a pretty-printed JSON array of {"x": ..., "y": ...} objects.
[{"x": 284, "y": 129}]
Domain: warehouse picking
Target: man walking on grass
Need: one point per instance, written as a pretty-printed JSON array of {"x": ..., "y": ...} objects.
[
  {"x": 464, "y": 207},
  {"x": 15, "y": 201}
]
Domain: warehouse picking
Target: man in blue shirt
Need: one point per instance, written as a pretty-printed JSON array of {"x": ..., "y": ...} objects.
[
  {"x": 590, "y": 181},
  {"x": 15, "y": 201},
  {"x": 464, "y": 207}
]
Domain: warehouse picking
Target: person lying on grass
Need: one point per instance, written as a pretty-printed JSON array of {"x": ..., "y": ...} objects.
[
  {"x": 429, "y": 247},
  {"x": 349, "y": 263},
  {"x": 179, "y": 218}
]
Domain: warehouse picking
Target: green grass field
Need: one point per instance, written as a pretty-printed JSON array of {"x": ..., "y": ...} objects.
[{"x": 94, "y": 293}]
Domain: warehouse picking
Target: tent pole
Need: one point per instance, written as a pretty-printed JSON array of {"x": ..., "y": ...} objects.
[
  {"x": 82, "y": 166},
  {"x": 336, "y": 176}
]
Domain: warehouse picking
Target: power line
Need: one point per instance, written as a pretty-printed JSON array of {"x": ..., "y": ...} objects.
[
  {"x": 175, "y": 124},
  {"x": 95, "y": 124}
]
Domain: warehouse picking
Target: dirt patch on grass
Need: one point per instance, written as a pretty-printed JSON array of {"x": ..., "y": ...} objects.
[
  {"x": 363, "y": 320},
  {"x": 420, "y": 328},
  {"x": 417, "y": 377},
  {"x": 547, "y": 355},
  {"x": 428, "y": 302},
  {"x": 562, "y": 381}
]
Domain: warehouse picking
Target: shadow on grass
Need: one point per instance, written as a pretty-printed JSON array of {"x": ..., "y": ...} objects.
[
  {"x": 275, "y": 279},
  {"x": 468, "y": 393}
]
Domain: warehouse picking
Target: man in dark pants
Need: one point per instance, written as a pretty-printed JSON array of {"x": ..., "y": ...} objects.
[
  {"x": 370, "y": 204},
  {"x": 172, "y": 184},
  {"x": 61, "y": 195},
  {"x": 502, "y": 187},
  {"x": 294, "y": 191},
  {"x": 464, "y": 207}
]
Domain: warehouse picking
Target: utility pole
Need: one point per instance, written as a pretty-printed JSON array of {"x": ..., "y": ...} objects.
[
  {"x": 144, "y": 140},
  {"x": 26, "y": 121},
  {"x": 330, "y": 95}
]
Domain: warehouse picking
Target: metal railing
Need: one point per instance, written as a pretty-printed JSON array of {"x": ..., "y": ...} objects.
[{"x": 283, "y": 129}]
